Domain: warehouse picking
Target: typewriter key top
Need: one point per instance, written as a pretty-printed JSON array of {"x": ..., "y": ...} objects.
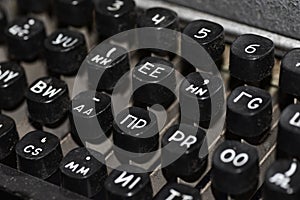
[
  {"x": 187, "y": 146},
  {"x": 136, "y": 130},
  {"x": 201, "y": 88},
  {"x": 64, "y": 51},
  {"x": 289, "y": 73},
  {"x": 159, "y": 18},
  {"x": 174, "y": 191},
  {"x": 288, "y": 137},
  {"x": 87, "y": 108},
  {"x": 235, "y": 168},
  {"x": 122, "y": 184},
  {"x": 3, "y": 24},
  {"x": 82, "y": 171},
  {"x": 249, "y": 107},
  {"x": 39, "y": 154},
  {"x": 251, "y": 58},
  {"x": 153, "y": 82},
  {"x": 114, "y": 16},
  {"x": 47, "y": 100},
  {"x": 74, "y": 13},
  {"x": 8, "y": 139},
  {"x": 282, "y": 181},
  {"x": 34, "y": 6},
  {"x": 110, "y": 62},
  {"x": 25, "y": 37},
  {"x": 13, "y": 84},
  {"x": 208, "y": 34}
]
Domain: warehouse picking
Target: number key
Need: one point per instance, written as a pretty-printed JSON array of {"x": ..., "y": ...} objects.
[
  {"x": 251, "y": 58},
  {"x": 208, "y": 34},
  {"x": 235, "y": 169}
]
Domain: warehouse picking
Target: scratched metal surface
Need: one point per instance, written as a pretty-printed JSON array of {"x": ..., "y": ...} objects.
[
  {"x": 38, "y": 69},
  {"x": 280, "y": 16}
]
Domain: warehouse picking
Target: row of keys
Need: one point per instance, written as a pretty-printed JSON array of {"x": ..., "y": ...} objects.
[{"x": 232, "y": 162}]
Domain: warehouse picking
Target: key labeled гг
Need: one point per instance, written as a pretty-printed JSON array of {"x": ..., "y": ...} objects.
[{"x": 249, "y": 112}]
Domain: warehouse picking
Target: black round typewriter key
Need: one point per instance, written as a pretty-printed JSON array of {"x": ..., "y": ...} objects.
[
  {"x": 251, "y": 58},
  {"x": 87, "y": 109},
  {"x": 282, "y": 181},
  {"x": 204, "y": 90},
  {"x": 289, "y": 73},
  {"x": 83, "y": 171},
  {"x": 39, "y": 154},
  {"x": 64, "y": 51},
  {"x": 122, "y": 183},
  {"x": 288, "y": 137},
  {"x": 135, "y": 130},
  {"x": 110, "y": 62},
  {"x": 47, "y": 100},
  {"x": 13, "y": 84},
  {"x": 187, "y": 146},
  {"x": 208, "y": 34},
  {"x": 74, "y": 13},
  {"x": 114, "y": 16},
  {"x": 250, "y": 107},
  {"x": 174, "y": 191},
  {"x": 153, "y": 82},
  {"x": 8, "y": 140},
  {"x": 159, "y": 18},
  {"x": 235, "y": 170},
  {"x": 25, "y": 37},
  {"x": 34, "y": 6},
  {"x": 3, "y": 23}
]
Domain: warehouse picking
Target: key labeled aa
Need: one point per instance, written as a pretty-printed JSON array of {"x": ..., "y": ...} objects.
[{"x": 89, "y": 110}]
